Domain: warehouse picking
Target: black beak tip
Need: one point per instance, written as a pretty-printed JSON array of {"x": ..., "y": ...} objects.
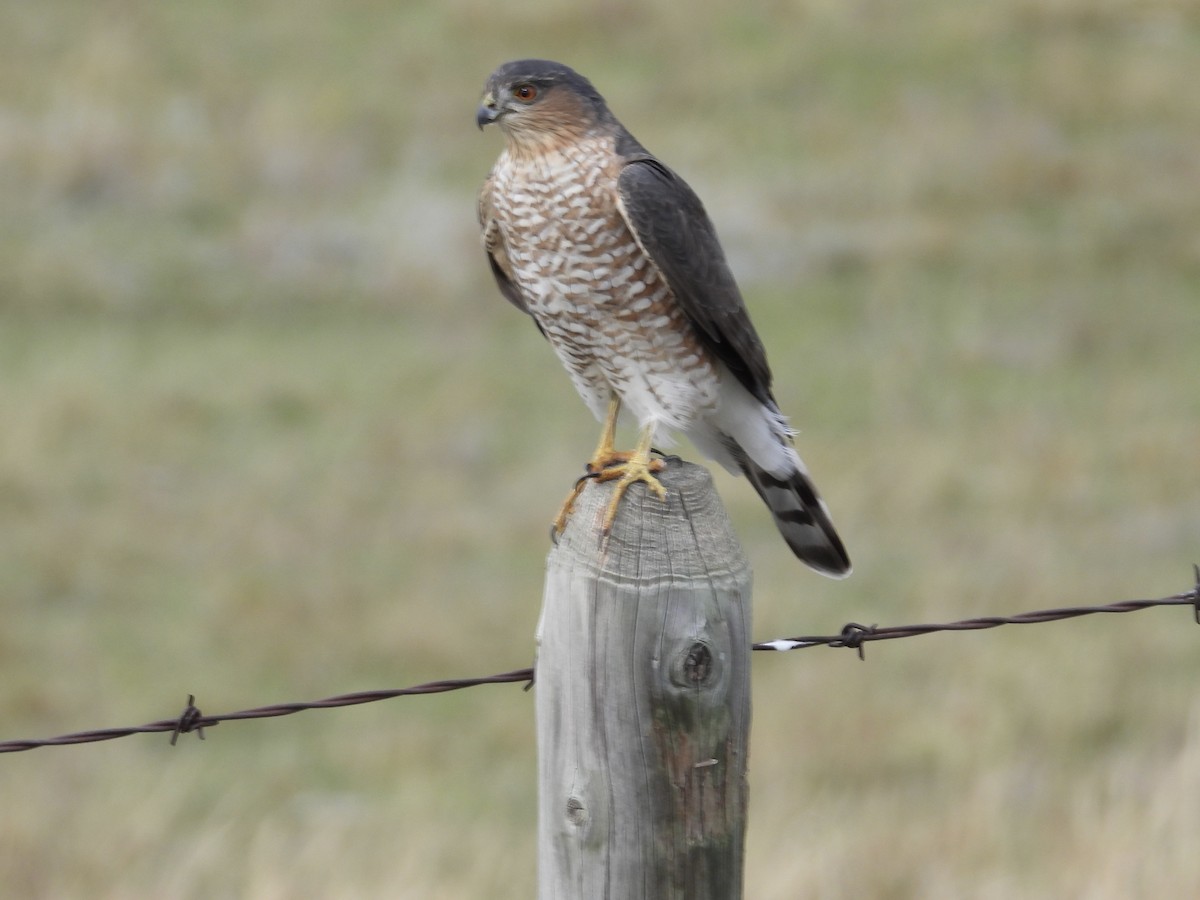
[{"x": 485, "y": 115}]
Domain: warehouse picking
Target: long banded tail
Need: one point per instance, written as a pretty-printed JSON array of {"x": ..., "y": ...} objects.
[{"x": 802, "y": 518}]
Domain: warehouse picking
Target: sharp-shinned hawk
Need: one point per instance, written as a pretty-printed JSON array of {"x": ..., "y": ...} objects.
[{"x": 615, "y": 259}]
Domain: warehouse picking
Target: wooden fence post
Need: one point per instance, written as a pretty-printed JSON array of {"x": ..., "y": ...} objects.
[{"x": 643, "y": 699}]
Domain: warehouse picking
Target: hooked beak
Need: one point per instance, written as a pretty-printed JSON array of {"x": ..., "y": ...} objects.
[{"x": 488, "y": 112}]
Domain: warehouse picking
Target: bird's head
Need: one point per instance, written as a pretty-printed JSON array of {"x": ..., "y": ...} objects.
[{"x": 536, "y": 101}]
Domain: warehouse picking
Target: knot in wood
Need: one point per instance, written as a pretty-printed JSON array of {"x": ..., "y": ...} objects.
[
  {"x": 698, "y": 664},
  {"x": 576, "y": 813},
  {"x": 694, "y": 668}
]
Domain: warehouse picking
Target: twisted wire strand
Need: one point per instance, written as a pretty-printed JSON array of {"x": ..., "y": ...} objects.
[{"x": 853, "y": 636}]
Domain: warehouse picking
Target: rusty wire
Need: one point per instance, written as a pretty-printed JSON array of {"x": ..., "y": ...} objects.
[
  {"x": 191, "y": 719},
  {"x": 853, "y": 636}
]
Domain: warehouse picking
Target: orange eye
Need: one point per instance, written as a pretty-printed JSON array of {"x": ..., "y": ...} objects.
[{"x": 525, "y": 92}]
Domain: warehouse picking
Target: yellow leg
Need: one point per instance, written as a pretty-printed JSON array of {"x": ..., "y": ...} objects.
[
  {"x": 604, "y": 454},
  {"x": 638, "y": 467}
]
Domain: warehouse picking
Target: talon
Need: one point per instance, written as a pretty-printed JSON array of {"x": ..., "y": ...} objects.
[
  {"x": 564, "y": 513},
  {"x": 586, "y": 476},
  {"x": 626, "y": 467},
  {"x": 602, "y": 457},
  {"x": 559, "y": 525},
  {"x": 639, "y": 467}
]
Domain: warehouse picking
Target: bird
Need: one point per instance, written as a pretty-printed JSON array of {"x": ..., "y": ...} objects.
[{"x": 615, "y": 258}]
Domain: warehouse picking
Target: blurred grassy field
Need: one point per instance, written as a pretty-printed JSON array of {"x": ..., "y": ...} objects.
[{"x": 269, "y": 434}]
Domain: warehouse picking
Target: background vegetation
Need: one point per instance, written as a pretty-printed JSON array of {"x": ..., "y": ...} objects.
[{"x": 269, "y": 433}]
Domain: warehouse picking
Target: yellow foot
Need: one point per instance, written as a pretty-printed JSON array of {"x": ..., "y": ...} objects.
[
  {"x": 624, "y": 467},
  {"x": 560, "y": 521},
  {"x": 621, "y": 466},
  {"x": 638, "y": 467},
  {"x": 595, "y": 468}
]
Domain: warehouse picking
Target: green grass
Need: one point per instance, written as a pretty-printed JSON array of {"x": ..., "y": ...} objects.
[{"x": 269, "y": 433}]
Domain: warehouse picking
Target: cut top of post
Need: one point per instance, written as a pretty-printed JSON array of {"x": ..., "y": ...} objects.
[{"x": 686, "y": 533}]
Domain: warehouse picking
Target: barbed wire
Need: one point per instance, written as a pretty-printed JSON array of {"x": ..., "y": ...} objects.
[
  {"x": 191, "y": 719},
  {"x": 853, "y": 636}
]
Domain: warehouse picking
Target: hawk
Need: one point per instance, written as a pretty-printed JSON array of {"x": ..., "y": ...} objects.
[{"x": 615, "y": 259}]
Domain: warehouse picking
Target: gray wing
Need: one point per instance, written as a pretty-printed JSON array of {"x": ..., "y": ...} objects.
[{"x": 670, "y": 224}]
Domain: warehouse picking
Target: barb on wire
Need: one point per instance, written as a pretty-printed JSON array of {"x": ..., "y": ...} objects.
[
  {"x": 189, "y": 720},
  {"x": 192, "y": 720},
  {"x": 853, "y": 635}
]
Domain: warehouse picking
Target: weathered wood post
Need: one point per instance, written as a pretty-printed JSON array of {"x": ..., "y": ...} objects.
[{"x": 643, "y": 699}]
